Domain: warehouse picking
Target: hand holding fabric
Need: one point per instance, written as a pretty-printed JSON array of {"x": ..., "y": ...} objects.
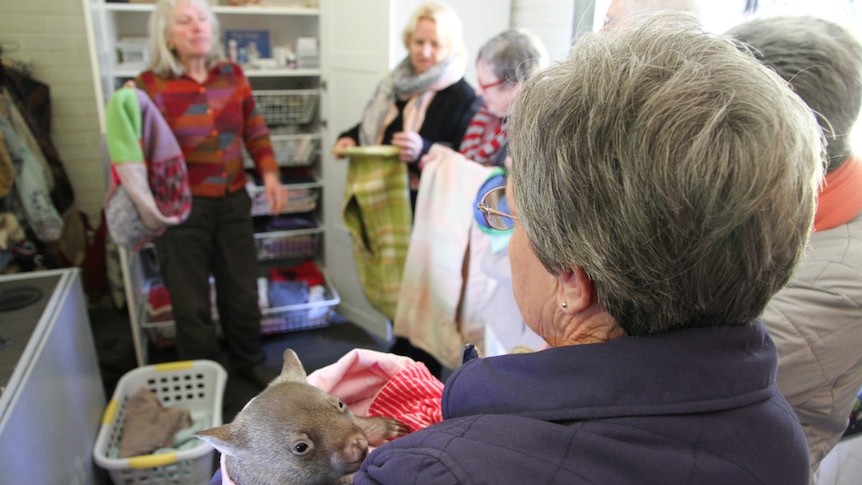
[
  {"x": 341, "y": 144},
  {"x": 411, "y": 145}
]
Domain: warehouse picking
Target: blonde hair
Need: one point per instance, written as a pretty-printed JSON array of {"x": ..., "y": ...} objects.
[
  {"x": 448, "y": 26},
  {"x": 163, "y": 61}
]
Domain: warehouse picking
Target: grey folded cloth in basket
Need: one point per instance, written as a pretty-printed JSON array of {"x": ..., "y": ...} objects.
[{"x": 148, "y": 425}]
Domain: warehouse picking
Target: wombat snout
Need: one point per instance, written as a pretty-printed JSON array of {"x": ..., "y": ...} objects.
[{"x": 356, "y": 449}]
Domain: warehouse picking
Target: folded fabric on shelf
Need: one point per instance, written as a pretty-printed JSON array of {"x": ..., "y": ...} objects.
[
  {"x": 287, "y": 223},
  {"x": 286, "y": 293},
  {"x": 158, "y": 301},
  {"x": 306, "y": 271}
]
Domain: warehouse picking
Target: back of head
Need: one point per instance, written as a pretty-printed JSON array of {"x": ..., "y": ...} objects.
[
  {"x": 448, "y": 25},
  {"x": 627, "y": 11},
  {"x": 822, "y": 61},
  {"x": 513, "y": 54},
  {"x": 675, "y": 169}
]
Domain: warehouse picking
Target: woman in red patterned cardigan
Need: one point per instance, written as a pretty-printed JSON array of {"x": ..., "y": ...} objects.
[{"x": 208, "y": 104}]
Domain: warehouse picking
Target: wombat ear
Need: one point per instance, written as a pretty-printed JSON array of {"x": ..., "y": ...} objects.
[
  {"x": 292, "y": 371},
  {"x": 228, "y": 439}
]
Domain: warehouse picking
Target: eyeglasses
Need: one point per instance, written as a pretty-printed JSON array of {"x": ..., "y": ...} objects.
[
  {"x": 488, "y": 86},
  {"x": 496, "y": 211}
]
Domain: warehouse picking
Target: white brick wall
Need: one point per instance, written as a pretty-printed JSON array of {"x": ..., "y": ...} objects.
[{"x": 51, "y": 36}]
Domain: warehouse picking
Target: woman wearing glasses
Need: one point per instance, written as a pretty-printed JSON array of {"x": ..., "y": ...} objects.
[
  {"x": 662, "y": 190},
  {"x": 502, "y": 64}
]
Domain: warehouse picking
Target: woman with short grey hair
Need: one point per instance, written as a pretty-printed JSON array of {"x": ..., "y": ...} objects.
[
  {"x": 503, "y": 63},
  {"x": 818, "y": 315},
  {"x": 662, "y": 190}
]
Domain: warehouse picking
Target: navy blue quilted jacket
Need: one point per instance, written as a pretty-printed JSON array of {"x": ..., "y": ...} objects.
[{"x": 696, "y": 406}]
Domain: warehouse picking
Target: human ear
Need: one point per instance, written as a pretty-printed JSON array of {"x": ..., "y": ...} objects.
[{"x": 576, "y": 291}]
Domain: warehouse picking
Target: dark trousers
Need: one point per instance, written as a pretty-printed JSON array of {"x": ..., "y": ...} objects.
[{"x": 217, "y": 239}]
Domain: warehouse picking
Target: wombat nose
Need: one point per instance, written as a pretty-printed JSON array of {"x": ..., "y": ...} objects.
[
  {"x": 361, "y": 443},
  {"x": 357, "y": 449}
]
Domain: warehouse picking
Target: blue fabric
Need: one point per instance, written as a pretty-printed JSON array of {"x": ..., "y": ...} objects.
[
  {"x": 216, "y": 479},
  {"x": 694, "y": 406},
  {"x": 285, "y": 293},
  {"x": 499, "y": 239},
  {"x": 497, "y": 180}
]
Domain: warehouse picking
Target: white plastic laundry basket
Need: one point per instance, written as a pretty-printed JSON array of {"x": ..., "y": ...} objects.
[{"x": 196, "y": 385}]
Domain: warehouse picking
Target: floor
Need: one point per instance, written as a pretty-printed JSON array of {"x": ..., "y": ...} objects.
[{"x": 316, "y": 348}]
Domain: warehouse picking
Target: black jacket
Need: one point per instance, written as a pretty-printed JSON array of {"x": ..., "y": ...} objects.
[{"x": 446, "y": 119}]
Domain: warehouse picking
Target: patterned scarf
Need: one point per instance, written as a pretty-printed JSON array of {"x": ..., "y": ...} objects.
[
  {"x": 418, "y": 90},
  {"x": 484, "y": 138}
]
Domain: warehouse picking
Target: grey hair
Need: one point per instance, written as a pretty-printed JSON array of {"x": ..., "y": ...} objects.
[
  {"x": 448, "y": 25},
  {"x": 163, "y": 61},
  {"x": 822, "y": 61},
  {"x": 674, "y": 168},
  {"x": 513, "y": 55}
]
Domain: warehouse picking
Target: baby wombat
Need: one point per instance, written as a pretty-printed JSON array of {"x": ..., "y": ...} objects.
[{"x": 295, "y": 433}]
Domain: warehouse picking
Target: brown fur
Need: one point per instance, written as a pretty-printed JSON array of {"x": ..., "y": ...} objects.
[{"x": 295, "y": 433}]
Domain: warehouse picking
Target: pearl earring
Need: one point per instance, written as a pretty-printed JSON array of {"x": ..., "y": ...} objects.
[{"x": 564, "y": 305}]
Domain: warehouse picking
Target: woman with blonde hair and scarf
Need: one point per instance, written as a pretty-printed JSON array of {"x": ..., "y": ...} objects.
[{"x": 425, "y": 99}]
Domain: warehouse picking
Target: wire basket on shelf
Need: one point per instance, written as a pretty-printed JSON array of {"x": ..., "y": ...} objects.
[
  {"x": 315, "y": 312},
  {"x": 305, "y": 316},
  {"x": 286, "y": 107},
  {"x": 290, "y": 150},
  {"x": 196, "y": 385},
  {"x": 299, "y": 200},
  {"x": 287, "y": 246}
]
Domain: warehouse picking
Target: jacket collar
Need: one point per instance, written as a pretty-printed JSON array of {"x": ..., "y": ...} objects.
[
  {"x": 680, "y": 371},
  {"x": 840, "y": 197}
]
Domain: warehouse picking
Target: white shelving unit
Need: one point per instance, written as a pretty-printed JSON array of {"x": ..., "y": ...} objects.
[
  {"x": 289, "y": 99},
  {"x": 359, "y": 42}
]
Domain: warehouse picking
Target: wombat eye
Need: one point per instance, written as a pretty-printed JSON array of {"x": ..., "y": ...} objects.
[
  {"x": 300, "y": 448},
  {"x": 341, "y": 405}
]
